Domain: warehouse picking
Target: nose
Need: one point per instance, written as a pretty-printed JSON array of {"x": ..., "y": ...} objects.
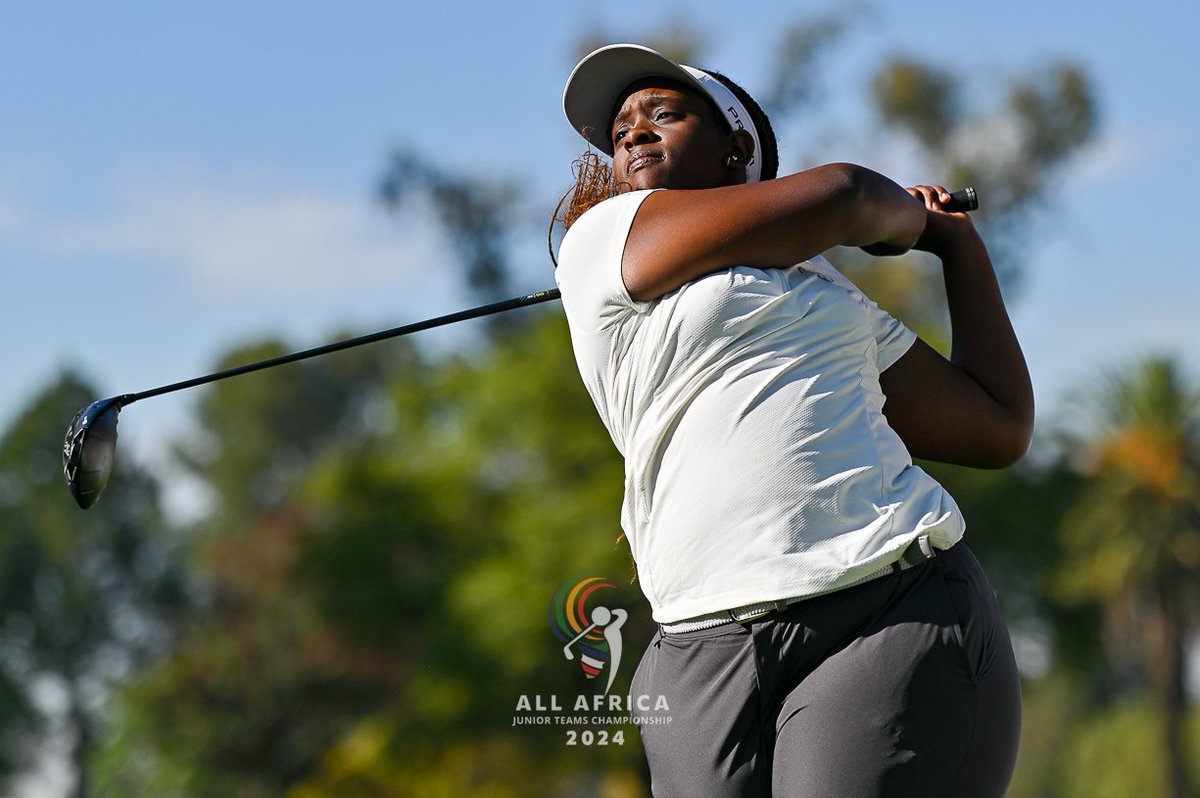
[{"x": 638, "y": 133}]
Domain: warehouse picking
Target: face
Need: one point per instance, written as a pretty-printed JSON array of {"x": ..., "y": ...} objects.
[{"x": 666, "y": 136}]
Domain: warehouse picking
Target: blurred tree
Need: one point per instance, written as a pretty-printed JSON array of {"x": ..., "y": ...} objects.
[
  {"x": 919, "y": 99},
  {"x": 1133, "y": 539},
  {"x": 257, "y": 437},
  {"x": 1013, "y": 153},
  {"x": 477, "y": 212},
  {"x": 524, "y": 485},
  {"x": 260, "y": 684},
  {"x": 1051, "y": 709},
  {"x": 1012, "y": 516},
  {"x": 390, "y": 601},
  {"x": 21, "y": 725},
  {"x": 1116, "y": 752},
  {"x": 87, "y": 597}
]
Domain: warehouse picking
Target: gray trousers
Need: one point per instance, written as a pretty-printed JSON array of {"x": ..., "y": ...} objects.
[{"x": 903, "y": 686}]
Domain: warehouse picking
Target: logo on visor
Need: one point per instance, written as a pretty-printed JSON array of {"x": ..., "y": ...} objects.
[{"x": 736, "y": 118}]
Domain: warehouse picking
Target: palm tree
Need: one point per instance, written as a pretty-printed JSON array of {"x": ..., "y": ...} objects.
[{"x": 1133, "y": 540}]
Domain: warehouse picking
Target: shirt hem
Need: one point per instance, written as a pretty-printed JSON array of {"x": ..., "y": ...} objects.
[{"x": 809, "y": 588}]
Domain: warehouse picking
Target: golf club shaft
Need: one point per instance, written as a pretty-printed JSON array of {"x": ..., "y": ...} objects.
[
  {"x": 462, "y": 315},
  {"x": 962, "y": 200}
]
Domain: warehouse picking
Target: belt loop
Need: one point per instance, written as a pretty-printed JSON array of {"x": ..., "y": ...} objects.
[{"x": 919, "y": 552}]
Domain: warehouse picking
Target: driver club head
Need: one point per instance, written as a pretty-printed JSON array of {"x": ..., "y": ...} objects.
[{"x": 90, "y": 449}]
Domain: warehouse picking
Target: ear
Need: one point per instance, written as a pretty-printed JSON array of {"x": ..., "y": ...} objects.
[{"x": 741, "y": 144}]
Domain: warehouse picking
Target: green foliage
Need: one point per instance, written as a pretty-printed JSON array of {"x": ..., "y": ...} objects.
[
  {"x": 1012, "y": 152},
  {"x": 259, "y": 436},
  {"x": 1051, "y": 710},
  {"x": 86, "y": 597},
  {"x": 262, "y": 682},
  {"x": 1012, "y": 521},
  {"x": 1056, "y": 109},
  {"x": 1132, "y": 542},
  {"x": 919, "y": 99},
  {"x": 21, "y": 727},
  {"x": 1118, "y": 753},
  {"x": 529, "y": 490},
  {"x": 1091, "y": 553},
  {"x": 390, "y": 599},
  {"x": 1138, "y": 525}
]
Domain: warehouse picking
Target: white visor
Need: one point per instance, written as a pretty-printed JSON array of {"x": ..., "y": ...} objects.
[{"x": 590, "y": 97}]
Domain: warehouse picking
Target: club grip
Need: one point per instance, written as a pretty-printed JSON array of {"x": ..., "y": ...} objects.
[{"x": 964, "y": 199}]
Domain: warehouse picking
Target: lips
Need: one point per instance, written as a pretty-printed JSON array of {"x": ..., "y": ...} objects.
[{"x": 640, "y": 158}]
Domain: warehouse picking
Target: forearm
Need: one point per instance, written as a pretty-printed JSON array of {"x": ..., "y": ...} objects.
[
  {"x": 678, "y": 236},
  {"x": 883, "y": 217},
  {"x": 838, "y": 204},
  {"x": 984, "y": 345},
  {"x": 975, "y": 409}
]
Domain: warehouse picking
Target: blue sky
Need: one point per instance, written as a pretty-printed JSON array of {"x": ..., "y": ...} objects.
[{"x": 175, "y": 179}]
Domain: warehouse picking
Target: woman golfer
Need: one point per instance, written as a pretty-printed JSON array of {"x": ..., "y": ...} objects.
[{"x": 823, "y": 629}]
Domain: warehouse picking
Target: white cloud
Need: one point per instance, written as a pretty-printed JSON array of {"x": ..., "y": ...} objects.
[
  {"x": 247, "y": 237},
  {"x": 1118, "y": 153}
]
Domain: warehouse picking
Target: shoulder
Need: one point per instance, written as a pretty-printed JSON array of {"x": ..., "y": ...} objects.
[
  {"x": 589, "y": 260},
  {"x": 611, "y": 217}
]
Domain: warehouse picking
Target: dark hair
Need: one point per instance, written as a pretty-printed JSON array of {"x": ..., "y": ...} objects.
[
  {"x": 594, "y": 181},
  {"x": 769, "y": 157}
]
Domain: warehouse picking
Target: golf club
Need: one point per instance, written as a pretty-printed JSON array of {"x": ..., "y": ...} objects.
[{"x": 89, "y": 449}]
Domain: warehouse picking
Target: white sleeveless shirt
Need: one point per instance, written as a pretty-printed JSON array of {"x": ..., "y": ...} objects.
[{"x": 758, "y": 462}]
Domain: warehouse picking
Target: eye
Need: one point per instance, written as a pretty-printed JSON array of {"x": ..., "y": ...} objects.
[{"x": 618, "y": 135}]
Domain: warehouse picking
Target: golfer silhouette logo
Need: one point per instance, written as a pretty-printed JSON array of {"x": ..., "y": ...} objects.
[{"x": 590, "y": 630}]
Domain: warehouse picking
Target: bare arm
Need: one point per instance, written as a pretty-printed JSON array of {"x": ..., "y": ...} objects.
[
  {"x": 977, "y": 408},
  {"x": 678, "y": 236}
]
